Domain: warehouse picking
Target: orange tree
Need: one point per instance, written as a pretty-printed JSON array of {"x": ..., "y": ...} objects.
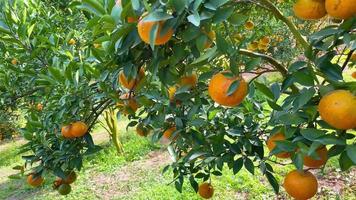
[{"x": 188, "y": 71}]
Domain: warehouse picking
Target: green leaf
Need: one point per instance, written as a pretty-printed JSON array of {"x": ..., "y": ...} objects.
[
  {"x": 264, "y": 89},
  {"x": 93, "y": 6},
  {"x": 222, "y": 14},
  {"x": 276, "y": 90},
  {"x": 217, "y": 173},
  {"x": 332, "y": 71},
  {"x": 210, "y": 54},
  {"x": 179, "y": 184},
  {"x": 274, "y": 105},
  {"x": 291, "y": 119},
  {"x": 296, "y": 66},
  {"x": 336, "y": 150},
  {"x": 331, "y": 139},
  {"x": 194, "y": 18},
  {"x": 165, "y": 169},
  {"x": 193, "y": 183},
  {"x": 201, "y": 41},
  {"x": 237, "y": 165},
  {"x": 298, "y": 160},
  {"x": 273, "y": 181},
  {"x": 214, "y": 4},
  {"x": 253, "y": 63},
  {"x": 304, "y": 78},
  {"x": 135, "y": 4},
  {"x": 351, "y": 152},
  {"x": 312, "y": 134},
  {"x": 223, "y": 45},
  {"x": 157, "y": 16},
  {"x": 153, "y": 35},
  {"x": 329, "y": 31},
  {"x": 4, "y": 28},
  {"x": 15, "y": 176},
  {"x": 179, "y": 5},
  {"x": 237, "y": 19},
  {"x": 233, "y": 87},
  {"x": 344, "y": 161},
  {"x": 249, "y": 165}
]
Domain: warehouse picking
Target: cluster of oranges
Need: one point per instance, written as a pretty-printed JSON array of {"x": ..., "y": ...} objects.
[
  {"x": 60, "y": 184},
  {"x": 63, "y": 185},
  {"x": 316, "y": 9},
  {"x": 262, "y": 44},
  {"x": 128, "y": 103},
  {"x": 74, "y": 130},
  {"x": 337, "y": 109},
  {"x": 189, "y": 81},
  {"x": 300, "y": 184}
]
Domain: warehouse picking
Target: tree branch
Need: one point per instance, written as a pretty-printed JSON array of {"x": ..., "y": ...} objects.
[
  {"x": 279, "y": 15},
  {"x": 278, "y": 66}
]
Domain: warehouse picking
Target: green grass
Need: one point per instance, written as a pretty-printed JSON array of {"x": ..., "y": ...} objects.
[
  {"x": 130, "y": 177},
  {"x": 9, "y": 154}
]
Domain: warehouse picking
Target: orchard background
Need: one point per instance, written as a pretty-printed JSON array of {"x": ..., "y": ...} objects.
[{"x": 239, "y": 93}]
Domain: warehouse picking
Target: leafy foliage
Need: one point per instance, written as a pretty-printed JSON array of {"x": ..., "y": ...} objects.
[{"x": 71, "y": 65}]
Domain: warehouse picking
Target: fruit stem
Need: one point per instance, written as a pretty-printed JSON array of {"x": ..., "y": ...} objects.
[{"x": 278, "y": 14}]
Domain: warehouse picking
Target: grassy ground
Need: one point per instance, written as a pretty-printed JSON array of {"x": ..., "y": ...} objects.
[{"x": 137, "y": 175}]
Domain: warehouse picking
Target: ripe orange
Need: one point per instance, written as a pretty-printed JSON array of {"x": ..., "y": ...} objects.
[
  {"x": 265, "y": 40},
  {"x": 128, "y": 105},
  {"x": 211, "y": 38},
  {"x": 142, "y": 130},
  {"x": 316, "y": 163},
  {"x": 144, "y": 31},
  {"x": 64, "y": 189},
  {"x": 66, "y": 132},
  {"x": 219, "y": 86},
  {"x": 238, "y": 37},
  {"x": 70, "y": 178},
  {"x": 249, "y": 25},
  {"x": 171, "y": 92},
  {"x": 271, "y": 144},
  {"x": 132, "y": 83},
  {"x": 39, "y": 107},
  {"x": 337, "y": 108},
  {"x": 353, "y": 57},
  {"x": 300, "y": 185},
  {"x": 206, "y": 190},
  {"x": 14, "y": 61},
  {"x": 97, "y": 45},
  {"x": 132, "y": 19},
  {"x": 57, "y": 183},
  {"x": 78, "y": 129},
  {"x": 72, "y": 42},
  {"x": 253, "y": 46},
  {"x": 353, "y": 75},
  {"x": 34, "y": 181},
  {"x": 309, "y": 9},
  {"x": 262, "y": 47},
  {"x": 189, "y": 80},
  {"x": 341, "y": 9},
  {"x": 168, "y": 133}
]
